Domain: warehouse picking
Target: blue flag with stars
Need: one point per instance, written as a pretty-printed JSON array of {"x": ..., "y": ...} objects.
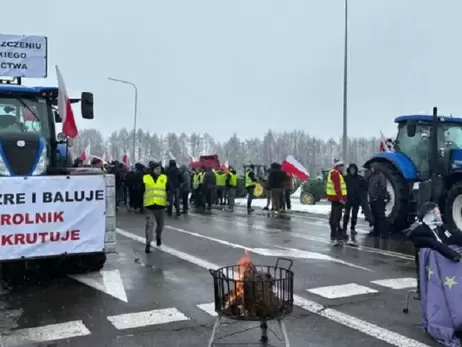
[{"x": 441, "y": 297}]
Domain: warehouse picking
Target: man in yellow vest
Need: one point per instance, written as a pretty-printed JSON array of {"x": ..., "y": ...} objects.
[
  {"x": 336, "y": 192},
  {"x": 231, "y": 184},
  {"x": 250, "y": 183},
  {"x": 155, "y": 185},
  {"x": 221, "y": 183}
]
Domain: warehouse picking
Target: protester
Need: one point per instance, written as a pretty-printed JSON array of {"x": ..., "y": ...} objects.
[
  {"x": 137, "y": 186},
  {"x": 336, "y": 192},
  {"x": 288, "y": 188},
  {"x": 185, "y": 188},
  {"x": 268, "y": 191},
  {"x": 432, "y": 233},
  {"x": 231, "y": 184},
  {"x": 276, "y": 185},
  {"x": 250, "y": 183},
  {"x": 378, "y": 194},
  {"x": 175, "y": 180},
  {"x": 209, "y": 184},
  {"x": 155, "y": 189},
  {"x": 220, "y": 188},
  {"x": 356, "y": 185}
]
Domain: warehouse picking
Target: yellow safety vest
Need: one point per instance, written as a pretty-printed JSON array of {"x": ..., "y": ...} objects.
[
  {"x": 248, "y": 181},
  {"x": 330, "y": 185},
  {"x": 221, "y": 179},
  {"x": 196, "y": 180},
  {"x": 156, "y": 192},
  {"x": 232, "y": 179},
  {"x": 201, "y": 177}
]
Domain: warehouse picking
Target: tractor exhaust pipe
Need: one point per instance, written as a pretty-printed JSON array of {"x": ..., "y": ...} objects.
[{"x": 434, "y": 144}]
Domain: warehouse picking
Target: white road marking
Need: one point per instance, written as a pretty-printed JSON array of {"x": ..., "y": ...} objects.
[
  {"x": 208, "y": 308},
  {"x": 397, "y": 283},
  {"x": 281, "y": 252},
  {"x": 357, "y": 324},
  {"x": 147, "y": 318},
  {"x": 342, "y": 291},
  {"x": 109, "y": 282},
  {"x": 45, "y": 333},
  {"x": 324, "y": 240}
]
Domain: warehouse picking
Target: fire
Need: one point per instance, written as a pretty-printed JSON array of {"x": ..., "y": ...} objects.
[{"x": 245, "y": 268}]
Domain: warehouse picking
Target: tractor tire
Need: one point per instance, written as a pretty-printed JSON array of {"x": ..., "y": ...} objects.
[
  {"x": 259, "y": 191},
  {"x": 398, "y": 218},
  {"x": 453, "y": 207},
  {"x": 307, "y": 198}
]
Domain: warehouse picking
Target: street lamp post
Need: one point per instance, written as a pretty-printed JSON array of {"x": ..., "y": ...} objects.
[
  {"x": 136, "y": 110},
  {"x": 345, "y": 87}
]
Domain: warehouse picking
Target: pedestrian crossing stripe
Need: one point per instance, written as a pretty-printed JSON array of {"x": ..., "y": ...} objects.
[{"x": 354, "y": 289}]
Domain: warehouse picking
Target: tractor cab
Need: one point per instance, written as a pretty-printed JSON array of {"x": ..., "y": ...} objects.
[
  {"x": 29, "y": 143},
  {"x": 414, "y": 139}
]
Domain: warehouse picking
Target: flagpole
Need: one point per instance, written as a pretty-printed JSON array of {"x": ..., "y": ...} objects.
[
  {"x": 345, "y": 88},
  {"x": 135, "y": 111}
]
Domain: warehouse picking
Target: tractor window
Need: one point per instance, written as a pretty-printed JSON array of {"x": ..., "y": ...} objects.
[
  {"x": 24, "y": 115},
  {"x": 416, "y": 147},
  {"x": 452, "y": 135}
]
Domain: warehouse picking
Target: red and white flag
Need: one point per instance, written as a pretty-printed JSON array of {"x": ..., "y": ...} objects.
[
  {"x": 225, "y": 166},
  {"x": 86, "y": 153},
  {"x": 65, "y": 108},
  {"x": 386, "y": 145},
  {"x": 126, "y": 160},
  {"x": 293, "y": 167}
]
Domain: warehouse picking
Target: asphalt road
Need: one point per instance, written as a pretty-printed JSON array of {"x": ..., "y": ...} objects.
[{"x": 346, "y": 296}]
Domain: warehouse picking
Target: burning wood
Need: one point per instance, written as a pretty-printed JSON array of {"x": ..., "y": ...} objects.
[{"x": 252, "y": 293}]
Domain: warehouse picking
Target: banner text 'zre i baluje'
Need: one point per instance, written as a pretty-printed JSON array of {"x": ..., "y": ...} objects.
[{"x": 47, "y": 216}]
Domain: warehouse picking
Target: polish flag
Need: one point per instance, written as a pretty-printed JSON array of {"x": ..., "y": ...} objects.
[
  {"x": 192, "y": 159},
  {"x": 225, "y": 166},
  {"x": 86, "y": 153},
  {"x": 65, "y": 108},
  {"x": 386, "y": 145},
  {"x": 126, "y": 160},
  {"x": 293, "y": 167}
]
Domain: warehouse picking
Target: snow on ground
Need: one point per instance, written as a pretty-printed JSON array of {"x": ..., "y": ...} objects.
[{"x": 320, "y": 208}]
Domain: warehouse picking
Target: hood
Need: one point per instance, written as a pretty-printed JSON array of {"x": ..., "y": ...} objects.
[
  {"x": 352, "y": 166},
  {"x": 172, "y": 163},
  {"x": 275, "y": 166},
  {"x": 184, "y": 168},
  {"x": 139, "y": 166}
]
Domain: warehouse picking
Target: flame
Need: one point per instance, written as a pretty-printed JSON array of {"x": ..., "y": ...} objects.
[{"x": 245, "y": 265}]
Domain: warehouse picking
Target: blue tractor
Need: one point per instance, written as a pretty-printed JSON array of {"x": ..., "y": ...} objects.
[
  {"x": 426, "y": 166},
  {"x": 30, "y": 145}
]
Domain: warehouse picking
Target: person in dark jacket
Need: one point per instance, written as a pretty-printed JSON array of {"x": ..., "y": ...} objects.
[
  {"x": 185, "y": 187},
  {"x": 378, "y": 196},
  {"x": 140, "y": 170},
  {"x": 209, "y": 187},
  {"x": 356, "y": 185},
  {"x": 175, "y": 180},
  {"x": 276, "y": 185},
  {"x": 268, "y": 191},
  {"x": 288, "y": 189},
  {"x": 432, "y": 233}
]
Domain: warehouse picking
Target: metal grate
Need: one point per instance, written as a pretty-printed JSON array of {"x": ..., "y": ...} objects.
[{"x": 255, "y": 292}]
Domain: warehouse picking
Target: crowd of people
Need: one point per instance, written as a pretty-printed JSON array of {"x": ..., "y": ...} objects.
[{"x": 348, "y": 193}]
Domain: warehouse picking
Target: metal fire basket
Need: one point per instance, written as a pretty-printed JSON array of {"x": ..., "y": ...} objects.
[{"x": 254, "y": 293}]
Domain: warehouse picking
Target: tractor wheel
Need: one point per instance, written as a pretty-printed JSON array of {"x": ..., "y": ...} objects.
[
  {"x": 396, "y": 210},
  {"x": 258, "y": 191},
  {"x": 453, "y": 209},
  {"x": 307, "y": 198}
]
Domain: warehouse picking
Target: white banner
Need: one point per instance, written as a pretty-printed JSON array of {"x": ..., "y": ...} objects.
[
  {"x": 23, "y": 56},
  {"x": 46, "y": 216}
]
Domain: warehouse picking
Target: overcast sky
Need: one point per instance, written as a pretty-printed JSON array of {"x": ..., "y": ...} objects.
[{"x": 245, "y": 66}]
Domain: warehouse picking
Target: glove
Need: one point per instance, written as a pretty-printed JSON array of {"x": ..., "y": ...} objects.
[{"x": 457, "y": 258}]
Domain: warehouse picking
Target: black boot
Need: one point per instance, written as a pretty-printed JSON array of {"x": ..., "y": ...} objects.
[
  {"x": 148, "y": 249},
  {"x": 158, "y": 241}
]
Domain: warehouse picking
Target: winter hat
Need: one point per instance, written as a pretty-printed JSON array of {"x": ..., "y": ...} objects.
[
  {"x": 425, "y": 208},
  {"x": 338, "y": 163}
]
